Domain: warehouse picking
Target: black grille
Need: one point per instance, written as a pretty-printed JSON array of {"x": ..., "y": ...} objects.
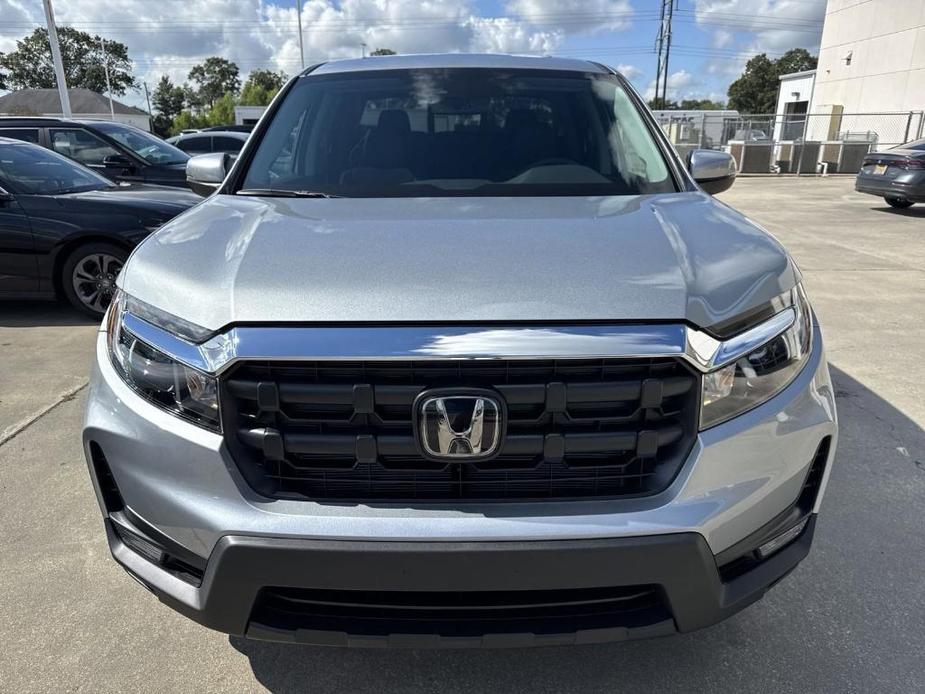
[
  {"x": 576, "y": 428},
  {"x": 459, "y": 614}
]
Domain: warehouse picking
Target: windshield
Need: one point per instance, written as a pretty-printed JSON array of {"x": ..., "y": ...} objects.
[
  {"x": 150, "y": 148},
  {"x": 466, "y": 131},
  {"x": 34, "y": 170}
]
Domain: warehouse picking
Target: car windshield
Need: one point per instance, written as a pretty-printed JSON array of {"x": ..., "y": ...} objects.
[
  {"x": 147, "y": 146},
  {"x": 34, "y": 170},
  {"x": 468, "y": 131}
]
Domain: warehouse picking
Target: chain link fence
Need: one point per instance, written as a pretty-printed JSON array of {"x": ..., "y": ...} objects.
[{"x": 831, "y": 142}]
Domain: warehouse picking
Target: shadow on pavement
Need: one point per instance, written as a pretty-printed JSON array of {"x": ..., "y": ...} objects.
[
  {"x": 848, "y": 619},
  {"x": 916, "y": 211},
  {"x": 31, "y": 314}
]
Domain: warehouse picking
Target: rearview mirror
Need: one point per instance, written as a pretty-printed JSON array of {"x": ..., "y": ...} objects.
[
  {"x": 205, "y": 173},
  {"x": 713, "y": 170}
]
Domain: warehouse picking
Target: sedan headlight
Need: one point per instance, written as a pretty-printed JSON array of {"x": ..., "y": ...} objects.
[
  {"x": 763, "y": 372},
  {"x": 157, "y": 377}
]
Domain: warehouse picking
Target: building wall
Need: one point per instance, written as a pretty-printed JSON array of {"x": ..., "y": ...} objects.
[
  {"x": 800, "y": 84},
  {"x": 248, "y": 115},
  {"x": 886, "y": 41}
]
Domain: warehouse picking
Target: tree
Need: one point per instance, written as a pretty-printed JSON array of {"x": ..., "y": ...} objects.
[
  {"x": 168, "y": 98},
  {"x": 756, "y": 90},
  {"x": 222, "y": 111},
  {"x": 213, "y": 78},
  {"x": 30, "y": 65},
  {"x": 383, "y": 51},
  {"x": 656, "y": 104},
  {"x": 186, "y": 120},
  {"x": 260, "y": 88},
  {"x": 795, "y": 60},
  {"x": 701, "y": 105}
]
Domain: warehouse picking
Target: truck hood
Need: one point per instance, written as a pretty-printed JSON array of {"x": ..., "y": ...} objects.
[{"x": 675, "y": 257}]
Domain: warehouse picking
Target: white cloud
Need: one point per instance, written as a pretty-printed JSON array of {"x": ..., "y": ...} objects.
[
  {"x": 171, "y": 37},
  {"x": 258, "y": 34},
  {"x": 722, "y": 38},
  {"x": 759, "y": 26},
  {"x": 630, "y": 72},
  {"x": 681, "y": 85},
  {"x": 574, "y": 16}
]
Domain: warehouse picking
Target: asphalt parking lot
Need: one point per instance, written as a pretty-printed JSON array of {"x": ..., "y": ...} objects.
[{"x": 850, "y": 618}]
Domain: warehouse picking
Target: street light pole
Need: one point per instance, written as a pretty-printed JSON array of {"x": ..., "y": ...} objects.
[
  {"x": 56, "y": 59},
  {"x": 148, "y": 101},
  {"x": 112, "y": 111},
  {"x": 298, "y": 5}
]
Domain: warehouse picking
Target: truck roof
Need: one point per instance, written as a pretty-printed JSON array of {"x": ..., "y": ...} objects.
[{"x": 457, "y": 60}]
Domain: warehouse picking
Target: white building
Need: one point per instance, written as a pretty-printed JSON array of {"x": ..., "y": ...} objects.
[
  {"x": 85, "y": 104},
  {"x": 872, "y": 57},
  {"x": 248, "y": 115},
  {"x": 796, "y": 90}
]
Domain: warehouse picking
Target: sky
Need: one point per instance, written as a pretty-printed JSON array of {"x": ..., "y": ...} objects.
[{"x": 712, "y": 39}]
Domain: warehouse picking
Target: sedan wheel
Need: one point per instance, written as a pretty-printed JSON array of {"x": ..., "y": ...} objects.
[
  {"x": 90, "y": 277},
  {"x": 898, "y": 203}
]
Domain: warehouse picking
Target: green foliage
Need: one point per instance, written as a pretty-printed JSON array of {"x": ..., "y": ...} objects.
[
  {"x": 168, "y": 98},
  {"x": 701, "y": 105},
  {"x": 657, "y": 104},
  {"x": 187, "y": 120},
  {"x": 795, "y": 60},
  {"x": 161, "y": 125},
  {"x": 756, "y": 90},
  {"x": 260, "y": 88},
  {"x": 383, "y": 51},
  {"x": 213, "y": 78},
  {"x": 222, "y": 111},
  {"x": 30, "y": 66}
]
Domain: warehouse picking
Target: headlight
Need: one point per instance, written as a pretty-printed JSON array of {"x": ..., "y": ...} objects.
[
  {"x": 158, "y": 378},
  {"x": 762, "y": 373}
]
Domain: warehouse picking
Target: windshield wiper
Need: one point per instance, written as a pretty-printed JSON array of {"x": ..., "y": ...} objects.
[{"x": 284, "y": 193}]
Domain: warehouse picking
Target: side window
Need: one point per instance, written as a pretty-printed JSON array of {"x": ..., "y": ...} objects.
[
  {"x": 80, "y": 145},
  {"x": 197, "y": 144},
  {"x": 24, "y": 134},
  {"x": 226, "y": 144}
]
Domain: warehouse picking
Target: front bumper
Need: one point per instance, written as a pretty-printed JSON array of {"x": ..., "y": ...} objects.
[
  {"x": 686, "y": 589},
  {"x": 180, "y": 487}
]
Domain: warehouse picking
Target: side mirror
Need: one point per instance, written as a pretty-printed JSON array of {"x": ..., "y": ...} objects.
[
  {"x": 117, "y": 161},
  {"x": 205, "y": 173},
  {"x": 713, "y": 170}
]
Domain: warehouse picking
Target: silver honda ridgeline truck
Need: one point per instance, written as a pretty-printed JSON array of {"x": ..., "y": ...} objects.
[{"x": 459, "y": 352}]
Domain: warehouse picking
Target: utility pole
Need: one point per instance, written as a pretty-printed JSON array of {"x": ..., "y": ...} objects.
[
  {"x": 663, "y": 47},
  {"x": 148, "y": 101},
  {"x": 112, "y": 111},
  {"x": 298, "y": 6},
  {"x": 671, "y": 5},
  {"x": 56, "y": 59},
  {"x": 659, "y": 49},
  {"x": 362, "y": 50}
]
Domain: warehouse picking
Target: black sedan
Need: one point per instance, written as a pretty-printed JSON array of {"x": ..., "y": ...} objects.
[
  {"x": 67, "y": 231},
  {"x": 897, "y": 175}
]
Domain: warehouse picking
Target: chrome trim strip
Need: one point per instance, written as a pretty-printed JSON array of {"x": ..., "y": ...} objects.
[
  {"x": 174, "y": 347},
  {"x": 738, "y": 346},
  {"x": 383, "y": 343}
]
